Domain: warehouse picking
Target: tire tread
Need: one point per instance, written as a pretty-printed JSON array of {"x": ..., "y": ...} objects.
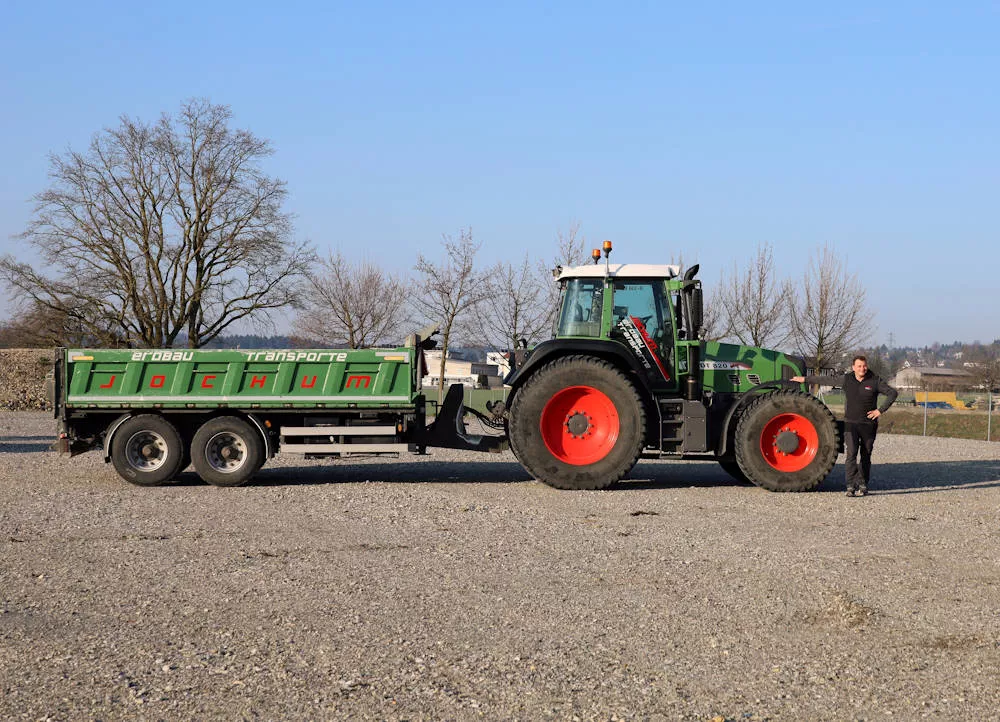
[
  {"x": 572, "y": 477},
  {"x": 747, "y": 447}
]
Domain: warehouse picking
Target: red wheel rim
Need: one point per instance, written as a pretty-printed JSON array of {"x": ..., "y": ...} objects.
[
  {"x": 777, "y": 437},
  {"x": 579, "y": 425}
]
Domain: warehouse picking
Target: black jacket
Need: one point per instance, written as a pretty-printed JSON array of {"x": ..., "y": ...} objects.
[{"x": 860, "y": 397}]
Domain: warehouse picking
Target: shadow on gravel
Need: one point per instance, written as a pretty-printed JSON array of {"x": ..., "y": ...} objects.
[
  {"x": 396, "y": 473},
  {"x": 886, "y": 478},
  {"x": 910, "y": 478},
  {"x": 385, "y": 473},
  {"x": 664, "y": 475},
  {"x": 25, "y": 444},
  {"x": 921, "y": 476}
]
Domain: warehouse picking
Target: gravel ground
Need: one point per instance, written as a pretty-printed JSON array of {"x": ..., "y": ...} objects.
[
  {"x": 22, "y": 378},
  {"x": 452, "y": 587}
]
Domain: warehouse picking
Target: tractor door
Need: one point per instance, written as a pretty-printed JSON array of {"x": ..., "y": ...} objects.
[{"x": 642, "y": 320}]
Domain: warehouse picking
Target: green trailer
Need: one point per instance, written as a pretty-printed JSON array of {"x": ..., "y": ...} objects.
[
  {"x": 626, "y": 376},
  {"x": 154, "y": 412}
]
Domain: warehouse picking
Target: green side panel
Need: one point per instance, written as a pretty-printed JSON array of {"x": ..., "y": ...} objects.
[
  {"x": 258, "y": 380},
  {"x": 308, "y": 378},
  {"x": 730, "y": 367}
]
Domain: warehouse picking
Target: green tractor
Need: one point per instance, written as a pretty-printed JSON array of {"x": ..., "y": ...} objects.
[{"x": 627, "y": 376}]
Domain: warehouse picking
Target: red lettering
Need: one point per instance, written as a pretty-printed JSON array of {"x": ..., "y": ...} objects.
[
  {"x": 257, "y": 382},
  {"x": 356, "y": 381},
  {"x": 157, "y": 382},
  {"x": 110, "y": 383},
  {"x": 312, "y": 382},
  {"x": 205, "y": 380}
]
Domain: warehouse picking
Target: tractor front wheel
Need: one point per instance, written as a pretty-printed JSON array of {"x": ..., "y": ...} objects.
[
  {"x": 786, "y": 441},
  {"x": 578, "y": 423}
]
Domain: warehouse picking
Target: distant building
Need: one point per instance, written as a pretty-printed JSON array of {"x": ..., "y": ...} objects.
[
  {"x": 500, "y": 359},
  {"x": 931, "y": 378},
  {"x": 456, "y": 371}
]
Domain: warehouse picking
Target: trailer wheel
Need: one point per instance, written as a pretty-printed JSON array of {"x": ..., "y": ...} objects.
[
  {"x": 786, "y": 441},
  {"x": 578, "y": 423},
  {"x": 147, "y": 450},
  {"x": 227, "y": 451}
]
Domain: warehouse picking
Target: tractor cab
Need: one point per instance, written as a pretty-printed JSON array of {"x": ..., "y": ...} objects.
[{"x": 647, "y": 308}]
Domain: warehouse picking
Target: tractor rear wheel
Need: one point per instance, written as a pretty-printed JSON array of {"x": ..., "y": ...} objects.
[
  {"x": 786, "y": 441},
  {"x": 578, "y": 423}
]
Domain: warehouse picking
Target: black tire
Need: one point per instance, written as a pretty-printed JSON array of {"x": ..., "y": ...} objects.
[
  {"x": 731, "y": 467},
  {"x": 786, "y": 441},
  {"x": 227, "y": 451},
  {"x": 147, "y": 450},
  {"x": 577, "y": 423}
]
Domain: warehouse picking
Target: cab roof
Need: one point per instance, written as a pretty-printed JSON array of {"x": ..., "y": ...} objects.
[{"x": 620, "y": 270}]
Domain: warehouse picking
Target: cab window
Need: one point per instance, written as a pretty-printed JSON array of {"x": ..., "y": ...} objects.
[{"x": 583, "y": 299}]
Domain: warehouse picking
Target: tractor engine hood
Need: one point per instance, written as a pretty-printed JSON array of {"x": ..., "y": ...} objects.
[{"x": 733, "y": 368}]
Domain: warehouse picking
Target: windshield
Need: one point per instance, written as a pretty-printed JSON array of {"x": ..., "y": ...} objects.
[{"x": 583, "y": 299}]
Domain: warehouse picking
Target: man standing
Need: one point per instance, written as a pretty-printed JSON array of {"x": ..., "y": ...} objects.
[{"x": 861, "y": 412}]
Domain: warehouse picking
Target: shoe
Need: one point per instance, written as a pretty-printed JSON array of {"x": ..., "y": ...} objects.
[
  {"x": 850, "y": 492},
  {"x": 863, "y": 491}
]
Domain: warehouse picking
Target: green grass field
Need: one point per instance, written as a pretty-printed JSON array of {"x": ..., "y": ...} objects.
[
  {"x": 947, "y": 423},
  {"x": 951, "y": 424}
]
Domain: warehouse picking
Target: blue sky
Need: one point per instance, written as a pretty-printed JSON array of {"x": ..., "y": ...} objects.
[{"x": 674, "y": 129}]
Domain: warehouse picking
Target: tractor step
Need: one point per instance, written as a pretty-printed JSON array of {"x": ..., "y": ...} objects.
[
  {"x": 671, "y": 426},
  {"x": 683, "y": 427}
]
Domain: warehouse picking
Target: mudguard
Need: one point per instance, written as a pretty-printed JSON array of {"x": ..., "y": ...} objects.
[
  {"x": 746, "y": 397},
  {"x": 550, "y": 350}
]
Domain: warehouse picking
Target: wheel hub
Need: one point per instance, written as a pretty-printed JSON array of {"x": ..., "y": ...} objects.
[
  {"x": 226, "y": 452},
  {"x": 146, "y": 450},
  {"x": 578, "y": 424},
  {"x": 787, "y": 441}
]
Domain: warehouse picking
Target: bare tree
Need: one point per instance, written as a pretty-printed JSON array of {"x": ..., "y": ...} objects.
[
  {"x": 449, "y": 289},
  {"x": 352, "y": 304},
  {"x": 41, "y": 327},
  {"x": 571, "y": 247},
  {"x": 514, "y": 305},
  {"x": 828, "y": 313},
  {"x": 986, "y": 371},
  {"x": 571, "y": 250},
  {"x": 713, "y": 323},
  {"x": 751, "y": 302},
  {"x": 162, "y": 229}
]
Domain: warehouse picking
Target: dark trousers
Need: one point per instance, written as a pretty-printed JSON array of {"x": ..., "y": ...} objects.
[{"x": 859, "y": 438}]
